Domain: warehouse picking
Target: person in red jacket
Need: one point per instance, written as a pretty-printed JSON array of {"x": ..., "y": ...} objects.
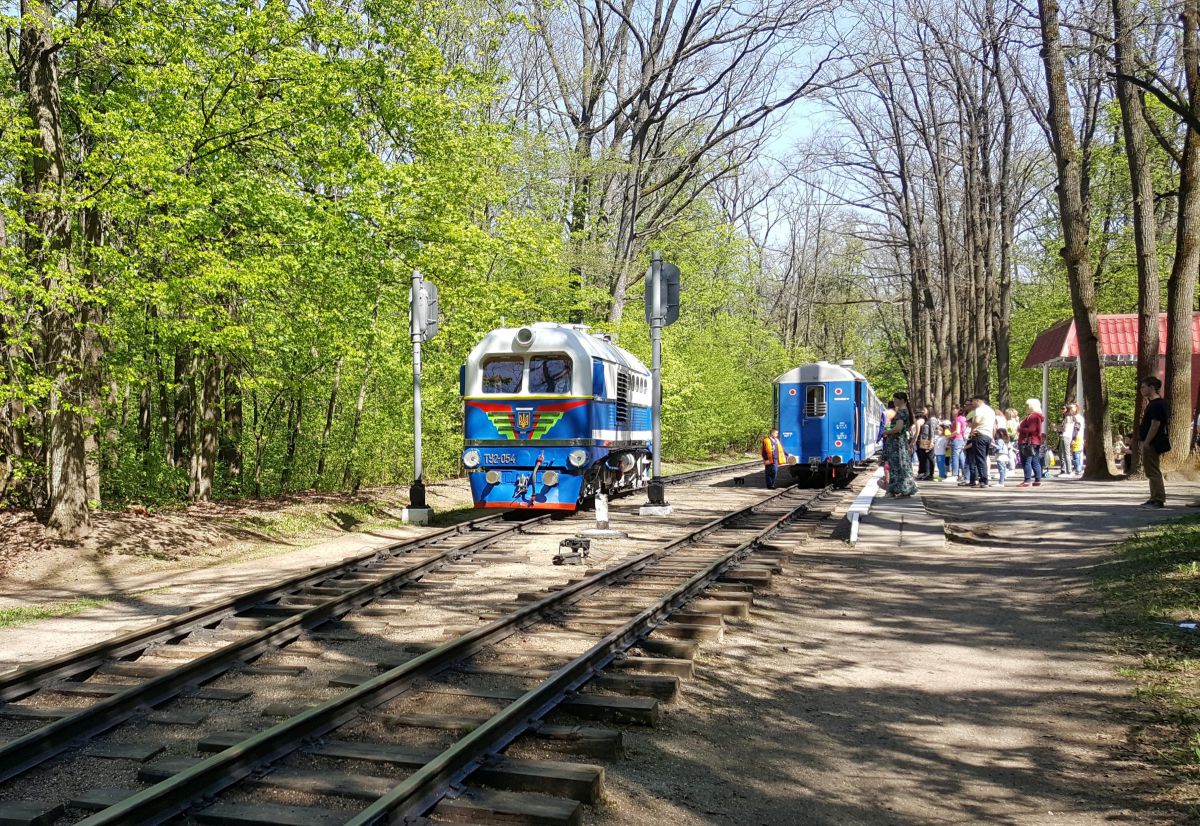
[
  {"x": 1029, "y": 442},
  {"x": 773, "y": 455}
]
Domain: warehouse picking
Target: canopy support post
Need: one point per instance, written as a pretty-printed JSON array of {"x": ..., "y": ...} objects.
[
  {"x": 1045, "y": 394},
  {"x": 1079, "y": 383}
]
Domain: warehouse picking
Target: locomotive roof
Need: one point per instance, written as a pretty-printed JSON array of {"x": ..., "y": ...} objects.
[
  {"x": 551, "y": 337},
  {"x": 819, "y": 371}
]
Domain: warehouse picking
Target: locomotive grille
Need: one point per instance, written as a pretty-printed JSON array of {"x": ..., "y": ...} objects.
[{"x": 622, "y": 400}]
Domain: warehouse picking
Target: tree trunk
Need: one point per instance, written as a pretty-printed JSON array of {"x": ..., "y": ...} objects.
[
  {"x": 47, "y": 242},
  {"x": 1145, "y": 227},
  {"x": 330, "y": 412},
  {"x": 144, "y": 416},
  {"x": 1073, "y": 214},
  {"x": 360, "y": 404},
  {"x": 1008, "y": 220},
  {"x": 1181, "y": 286},
  {"x": 295, "y": 423},
  {"x": 231, "y": 444},
  {"x": 90, "y": 354},
  {"x": 259, "y": 429},
  {"x": 183, "y": 407},
  {"x": 164, "y": 411},
  {"x": 204, "y": 462}
]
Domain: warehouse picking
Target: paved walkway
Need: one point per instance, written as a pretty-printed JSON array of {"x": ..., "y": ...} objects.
[{"x": 900, "y": 523}]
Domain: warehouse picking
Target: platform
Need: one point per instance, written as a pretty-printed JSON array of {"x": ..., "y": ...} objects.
[{"x": 899, "y": 523}]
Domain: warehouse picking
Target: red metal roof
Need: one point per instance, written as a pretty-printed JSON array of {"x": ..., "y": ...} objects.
[{"x": 1118, "y": 338}]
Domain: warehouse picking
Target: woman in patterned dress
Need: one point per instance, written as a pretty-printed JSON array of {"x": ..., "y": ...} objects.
[{"x": 897, "y": 450}]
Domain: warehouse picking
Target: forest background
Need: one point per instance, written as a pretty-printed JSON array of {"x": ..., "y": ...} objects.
[{"x": 210, "y": 211}]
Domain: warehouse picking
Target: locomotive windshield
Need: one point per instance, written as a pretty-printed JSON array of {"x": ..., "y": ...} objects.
[
  {"x": 502, "y": 374},
  {"x": 550, "y": 374}
]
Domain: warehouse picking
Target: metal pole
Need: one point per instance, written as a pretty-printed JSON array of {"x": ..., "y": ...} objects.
[
  {"x": 1079, "y": 383},
  {"x": 655, "y": 493},
  {"x": 1045, "y": 395},
  {"x": 416, "y": 493}
]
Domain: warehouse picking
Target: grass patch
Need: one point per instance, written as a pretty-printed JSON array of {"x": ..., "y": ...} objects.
[
  {"x": 670, "y": 468},
  {"x": 12, "y": 617},
  {"x": 299, "y": 521},
  {"x": 1152, "y": 584}
]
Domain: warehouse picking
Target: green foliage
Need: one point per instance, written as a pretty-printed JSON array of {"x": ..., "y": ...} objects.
[
  {"x": 719, "y": 358},
  {"x": 267, "y": 177}
]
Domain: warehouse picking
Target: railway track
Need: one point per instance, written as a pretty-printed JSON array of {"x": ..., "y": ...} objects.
[
  {"x": 575, "y": 636},
  {"x": 241, "y": 629},
  {"x": 273, "y": 600}
]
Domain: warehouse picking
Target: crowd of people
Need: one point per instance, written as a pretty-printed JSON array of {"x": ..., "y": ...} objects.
[{"x": 964, "y": 446}]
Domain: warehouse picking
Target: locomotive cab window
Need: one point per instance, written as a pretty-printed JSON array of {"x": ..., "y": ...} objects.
[
  {"x": 814, "y": 401},
  {"x": 550, "y": 374},
  {"x": 503, "y": 374}
]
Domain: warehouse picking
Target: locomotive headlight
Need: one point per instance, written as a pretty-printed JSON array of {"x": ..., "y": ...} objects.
[
  {"x": 471, "y": 458},
  {"x": 492, "y": 477},
  {"x": 577, "y": 458},
  {"x": 550, "y": 478}
]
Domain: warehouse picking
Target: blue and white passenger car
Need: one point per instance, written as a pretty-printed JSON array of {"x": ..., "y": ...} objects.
[
  {"x": 552, "y": 416},
  {"x": 828, "y": 417}
]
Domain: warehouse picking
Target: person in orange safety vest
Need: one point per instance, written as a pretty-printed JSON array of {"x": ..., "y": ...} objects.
[{"x": 773, "y": 455}]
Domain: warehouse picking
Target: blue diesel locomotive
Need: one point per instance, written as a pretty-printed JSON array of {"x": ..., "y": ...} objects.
[
  {"x": 552, "y": 416},
  {"x": 828, "y": 417}
]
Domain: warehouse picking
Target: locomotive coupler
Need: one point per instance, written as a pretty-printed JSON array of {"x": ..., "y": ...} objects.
[
  {"x": 522, "y": 485},
  {"x": 573, "y": 551}
]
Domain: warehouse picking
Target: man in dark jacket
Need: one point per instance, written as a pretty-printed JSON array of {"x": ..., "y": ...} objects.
[{"x": 1153, "y": 433}]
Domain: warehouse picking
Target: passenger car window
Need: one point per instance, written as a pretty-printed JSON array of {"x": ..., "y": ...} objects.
[
  {"x": 549, "y": 374},
  {"x": 502, "y": 374},
  {"x": 814, "y": 401}
]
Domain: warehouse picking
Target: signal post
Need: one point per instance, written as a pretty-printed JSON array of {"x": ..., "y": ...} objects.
[
  {"x": 423, "y": 324},
  {"x": 662, "y": 309}
]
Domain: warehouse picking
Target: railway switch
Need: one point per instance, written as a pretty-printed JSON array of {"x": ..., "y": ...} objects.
[{"x": 573, "y": 551}]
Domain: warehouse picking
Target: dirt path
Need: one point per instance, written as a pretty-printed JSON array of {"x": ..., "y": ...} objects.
[
  {"x": 135, "y": 544},
  {"x": 964, "y": 685}
]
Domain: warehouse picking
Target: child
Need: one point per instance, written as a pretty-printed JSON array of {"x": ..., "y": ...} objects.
[
  {"x": 941, "y": 450},
  {"x": 1004, "y": 454},
  {"x": 889, "y": 413}
]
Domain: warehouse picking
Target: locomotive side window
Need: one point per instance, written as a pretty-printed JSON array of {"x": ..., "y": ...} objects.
[
  {"x": 550, "y": 374},
  {"x": 502, "y": 374},
  {"x": 814, "y": 401}
]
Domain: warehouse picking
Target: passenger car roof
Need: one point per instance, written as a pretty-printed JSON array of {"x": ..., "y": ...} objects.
[{"x": 819, "y": 371}]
